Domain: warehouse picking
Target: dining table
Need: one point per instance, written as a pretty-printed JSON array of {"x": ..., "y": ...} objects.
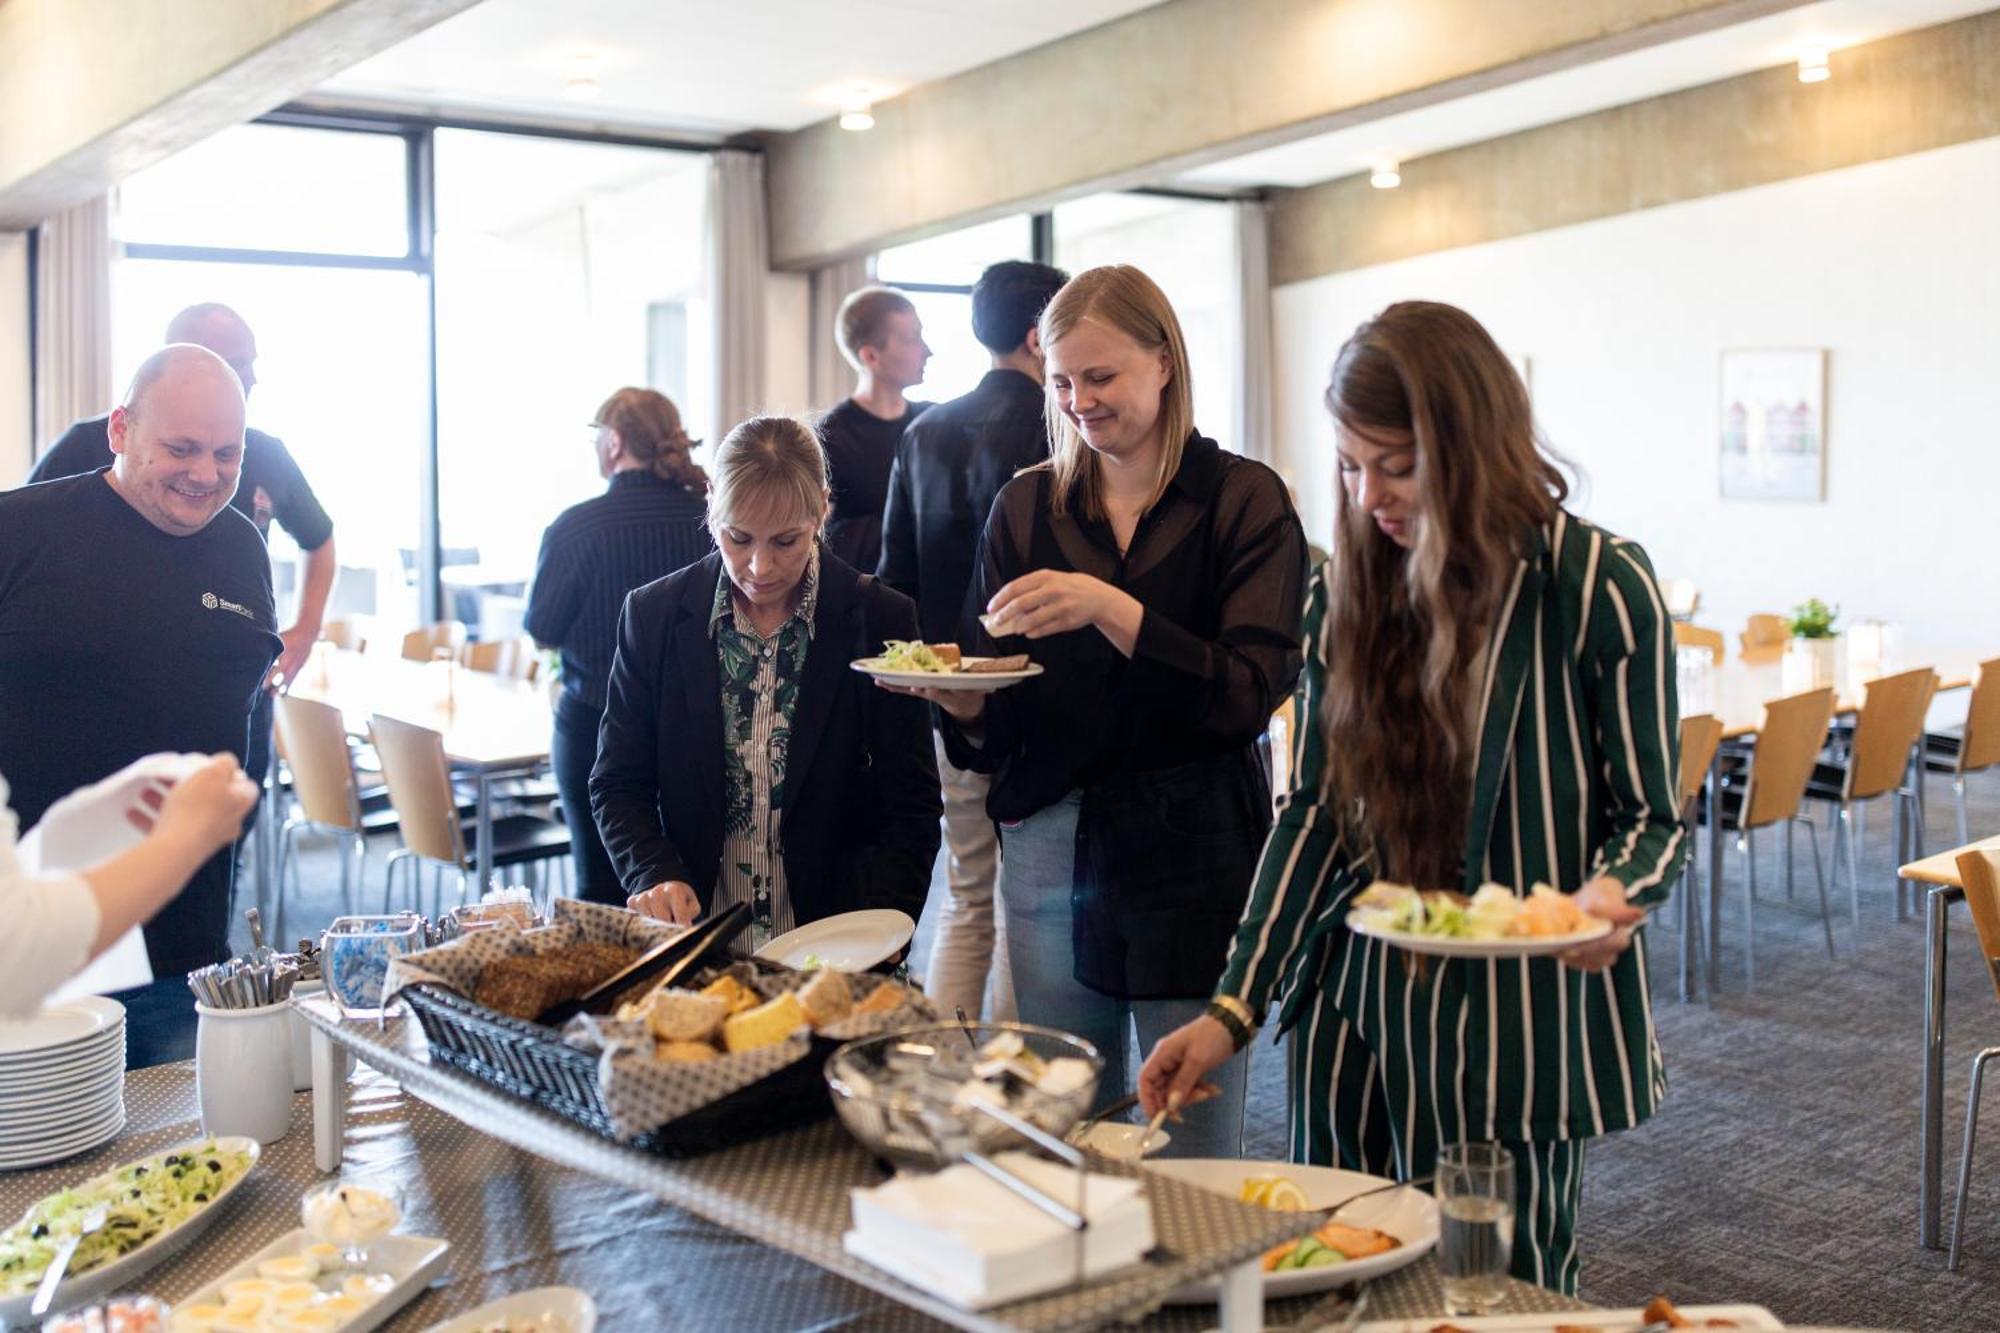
[
  {"x": 493, "y": 726},
  {"x": 1735, "y": 692},
  {"x": 1939, "y": 880}
]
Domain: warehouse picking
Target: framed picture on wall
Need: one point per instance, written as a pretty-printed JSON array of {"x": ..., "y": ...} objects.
[{"x": 1773, "y": 423}]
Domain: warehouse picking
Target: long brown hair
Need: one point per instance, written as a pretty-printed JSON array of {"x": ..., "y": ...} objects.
[
  {"x": 1408, "y": 631},
  {"x": 649, "y": 426},
  {"x": 1125, "y": 299}
]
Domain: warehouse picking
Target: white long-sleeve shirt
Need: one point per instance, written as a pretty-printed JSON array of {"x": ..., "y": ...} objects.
[{"x": 51, "y": 922}]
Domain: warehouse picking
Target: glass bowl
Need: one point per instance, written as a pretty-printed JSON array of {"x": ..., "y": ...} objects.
[{"x": 914, "y": 1096}]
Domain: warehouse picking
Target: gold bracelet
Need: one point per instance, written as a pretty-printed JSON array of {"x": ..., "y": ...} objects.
[{"x": 1237, "y": 1007}]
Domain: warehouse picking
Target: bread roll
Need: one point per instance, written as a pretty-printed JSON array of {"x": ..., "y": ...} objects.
[
  {"x": 947, "y": 653},
  {"x": 683, "y": 1015},
  {"x": 733, "y": 993},
  {"x": 826, "y": 997},
  {"x": 684, "y": 1052},
  {"x": 766, "y": 1025},
  {"x": 886, "y": 998}
]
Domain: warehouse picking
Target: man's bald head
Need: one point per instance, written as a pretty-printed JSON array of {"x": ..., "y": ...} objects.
[
  {"x": 222, "y": 331},
  {"x": 178, "y": 438}
]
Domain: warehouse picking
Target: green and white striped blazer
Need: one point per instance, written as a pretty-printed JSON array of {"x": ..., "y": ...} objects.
[{"x": 1575, "y": 777}]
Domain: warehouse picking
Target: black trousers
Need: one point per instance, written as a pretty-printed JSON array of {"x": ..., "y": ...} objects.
[{"x": 572, "y": 751}]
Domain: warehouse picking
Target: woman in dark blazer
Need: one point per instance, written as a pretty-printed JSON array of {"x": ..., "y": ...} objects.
[{"x": 741, "y": 759}]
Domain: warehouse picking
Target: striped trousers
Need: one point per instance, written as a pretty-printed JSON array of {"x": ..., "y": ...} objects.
[{"x": 1343, "y": 1115}]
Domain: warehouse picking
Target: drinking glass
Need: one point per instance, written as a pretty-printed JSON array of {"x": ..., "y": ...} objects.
[{"x": 1475, "y": 1192}]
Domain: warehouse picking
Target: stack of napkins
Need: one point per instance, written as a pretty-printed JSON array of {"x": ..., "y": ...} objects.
[{"x": 961, "y": 1235}]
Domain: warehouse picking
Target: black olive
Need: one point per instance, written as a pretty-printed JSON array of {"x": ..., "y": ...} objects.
[
  {"x": 135, "y": 1194},
  {"x": 138, "y": 1171},
  {"x": 41, "y": 1230},
  {"x": 214, "y": 1165},
  {"x": 201, "y": 1198}
]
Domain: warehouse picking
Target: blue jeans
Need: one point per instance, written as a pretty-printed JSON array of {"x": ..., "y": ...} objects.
[{"x": 1037, "y": 867}]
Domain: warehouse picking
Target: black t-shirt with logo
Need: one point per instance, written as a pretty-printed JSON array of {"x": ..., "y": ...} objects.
[{"x": 118, "y": 640}]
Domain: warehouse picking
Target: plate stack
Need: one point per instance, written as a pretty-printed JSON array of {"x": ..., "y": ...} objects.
[{"x": 62, "y": 1082}]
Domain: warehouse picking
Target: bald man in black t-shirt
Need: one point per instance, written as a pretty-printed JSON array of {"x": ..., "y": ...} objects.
[{"x": 136, "y": 616}]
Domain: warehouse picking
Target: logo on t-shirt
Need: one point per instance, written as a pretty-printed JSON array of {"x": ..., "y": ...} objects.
[{"x": 214, "y": 603}]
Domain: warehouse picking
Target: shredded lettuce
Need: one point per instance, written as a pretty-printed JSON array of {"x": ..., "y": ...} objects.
[{"x": 910, "y": 655}]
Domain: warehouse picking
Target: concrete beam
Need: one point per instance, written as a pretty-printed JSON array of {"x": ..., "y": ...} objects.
[
  {"x": 1905, "y": 94},
  {"x": 92, "y": 91},
  {"x": 1170, "y": 88}
]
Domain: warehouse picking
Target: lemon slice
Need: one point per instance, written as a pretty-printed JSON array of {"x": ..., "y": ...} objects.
[
  {"x": 1256, "y": 1188},
  {"x": 1285, "y": 1197}
]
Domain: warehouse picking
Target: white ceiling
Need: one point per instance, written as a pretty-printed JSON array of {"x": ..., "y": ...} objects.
[
  {"x": 705, "y": 67},
  {"x": 1757, "y": 44}
]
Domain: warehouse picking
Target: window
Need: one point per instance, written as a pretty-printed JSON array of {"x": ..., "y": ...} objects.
[
  {"x": 937, "y": 274},
  {"x": 548, "y": 300}
]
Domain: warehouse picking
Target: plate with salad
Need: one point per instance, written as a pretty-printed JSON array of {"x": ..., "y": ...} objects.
[
  {"x": 1378, "y": 1235},
  {"x": 152, "y": 1208},
  {"x": 1495, "y": 922},
  {"x": 941, "y": 666}
]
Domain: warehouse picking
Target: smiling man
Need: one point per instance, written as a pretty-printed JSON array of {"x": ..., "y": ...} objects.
[{"x": 136, "y": 616}]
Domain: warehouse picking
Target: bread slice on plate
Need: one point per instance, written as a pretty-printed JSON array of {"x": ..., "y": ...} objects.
[{"x": 993, "y": 665}]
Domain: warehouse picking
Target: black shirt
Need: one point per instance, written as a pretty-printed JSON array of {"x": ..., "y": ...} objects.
[
  {"x": 270, "y": 486},
  {"x": 1219, "y": 565},
  {"x": 118, "y": 640},
  {"x": 950, "y": 465},
  {"x": 860, "y": 449},
  {"x": 642, "y": 528}
]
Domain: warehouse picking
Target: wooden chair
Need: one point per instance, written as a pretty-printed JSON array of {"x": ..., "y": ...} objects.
[
  {"x": 1976, "y": 747},
  {"x": 421, "y": 645},
  {"x": 1764, "y": 637},
  {"x": 1701, "y": 736},
  {"x": 314, "y": 744},
  {"x": 1695, "y": 636},
  {"x": 344, "y": 635},
  {"x": 1886, "y": 730},
  {"x": 515, "y": 658},
  {"x": 1769, "y": 792},
  {"x": 1979, "y": 872},
  {"x": 419, "y": 777}
]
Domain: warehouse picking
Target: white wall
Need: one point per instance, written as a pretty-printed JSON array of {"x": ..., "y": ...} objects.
[
  {"x": 16, "y": 397},
  {"x": 787, "y": 350},
  {"x": 1891, "y": 266}
]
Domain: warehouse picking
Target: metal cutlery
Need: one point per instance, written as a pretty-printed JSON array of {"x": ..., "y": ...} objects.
[{"x": 45, "y": 1294}]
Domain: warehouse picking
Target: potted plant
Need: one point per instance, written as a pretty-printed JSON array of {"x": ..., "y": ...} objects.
[{"x": 1814, "y": 639}]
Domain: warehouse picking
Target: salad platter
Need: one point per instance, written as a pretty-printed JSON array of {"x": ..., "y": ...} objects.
[
  {"x": 1379, "y": 1234},
  {"x": 940, "y": 666},
  {"x": 1494, "y": 923},
  {"x": 153, "y": 1208}
]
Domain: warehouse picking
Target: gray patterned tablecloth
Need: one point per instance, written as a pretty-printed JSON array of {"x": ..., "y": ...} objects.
[{"x": 516, "y": 1221}]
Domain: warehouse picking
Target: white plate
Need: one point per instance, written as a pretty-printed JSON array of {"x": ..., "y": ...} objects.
[
  {"x": 1745, "y": 1316},
  {"x": 68, "y": 1141},
  {"x": 410, "y": 1261},
  {"x": 86, "y": 1106},
  {"x": 975, "y": 682},
  {"x": 545, "y": 1309},
  {"x": 1409, "y": 1215},
  {"x": 120, "y": 1272},
  {"x": 29, "y": 1077},
  {"x": 56, "y": 1026},
  {"x": 1512, "y": 946},
  {"x": 97, "y": 1067},
  {"x": 849, "y": 942},
  {"x": 64, "y": 1093}
]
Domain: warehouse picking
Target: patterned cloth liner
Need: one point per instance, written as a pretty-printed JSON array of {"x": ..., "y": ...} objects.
[{"x": 640, "y": 1093}]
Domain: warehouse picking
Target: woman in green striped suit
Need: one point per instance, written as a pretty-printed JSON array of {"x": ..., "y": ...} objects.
[{"x": 1488, "y": 696}]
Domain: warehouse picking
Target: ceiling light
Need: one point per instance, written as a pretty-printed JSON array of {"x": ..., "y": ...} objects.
[
  {"x": 1385, "y": 175},
  {"x": 857, "y": 111},
  {"x": 1813, "y": 67},
  {"x": 580, "y": 84}
]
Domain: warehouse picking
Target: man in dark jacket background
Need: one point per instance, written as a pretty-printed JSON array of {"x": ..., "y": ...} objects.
[{"x": 949, "y": 465}]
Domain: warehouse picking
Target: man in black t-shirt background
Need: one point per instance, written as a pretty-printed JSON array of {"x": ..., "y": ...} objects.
[
  {"x": 136, "y": 617},
  {"x": 271, "y": 487},
  {"x": 880, "y": 335}
]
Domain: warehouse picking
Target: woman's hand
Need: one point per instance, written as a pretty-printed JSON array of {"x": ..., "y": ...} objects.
[
  {"x": 1605, "y": 897},
  {"x": 1049, "y": 602},
  {"x": 673, "y": 902},
  {"x": 1172, "y": 1075},
  {"x": 205, "y": 809},
  {"x": 965, "y": 707}
]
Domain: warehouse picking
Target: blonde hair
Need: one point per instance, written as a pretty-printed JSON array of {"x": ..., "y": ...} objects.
[
  {"x": 1123, "y": 298},
  {"x": 863, "y": 320},
  {"x": 649, "y": 426},
  {"x": 769, "y": 460}
]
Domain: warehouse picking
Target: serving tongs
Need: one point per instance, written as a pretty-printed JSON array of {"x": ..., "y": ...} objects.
[{"x": 662, "y": 965}]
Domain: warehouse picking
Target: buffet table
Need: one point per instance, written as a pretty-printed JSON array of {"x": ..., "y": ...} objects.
[{"x": 516, "y": 1221}]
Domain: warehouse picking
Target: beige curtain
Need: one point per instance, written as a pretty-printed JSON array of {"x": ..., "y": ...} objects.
[
  {"x": 738, "y": 253},
  {"x": 832, "y": 378},
  {"x": 72, "y": 319},
  {"x": 1253, "y": 401}
]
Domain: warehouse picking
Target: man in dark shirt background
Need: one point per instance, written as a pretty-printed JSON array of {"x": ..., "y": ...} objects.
[
  {"x": 271, "y": 487},
  {"x": 882, "y": 338},
  {"x": 948, "y": 467},
  {"x": 136, "y": 617}
]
